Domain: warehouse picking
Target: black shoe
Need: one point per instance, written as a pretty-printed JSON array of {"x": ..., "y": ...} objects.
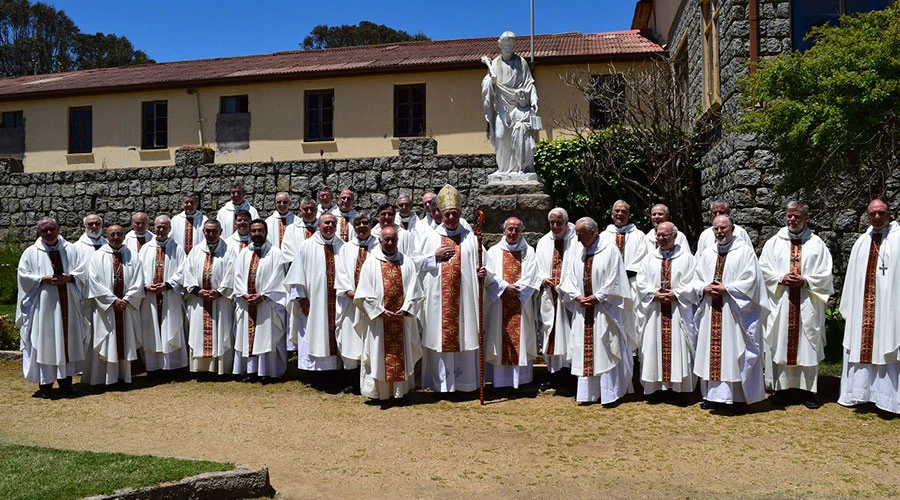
[
  {"x": 707, "y": 405},
  {"x": 810, "y": 403},
  {"x": 45, "y": 391},
  {"x": 65, "y": 387},
  {"x": 779, "y": 399},
  {"x": 738, "y": 408},
  {"x": 545, "y": 386},
  {"x": 655, "y": 398},
  {"x": 249, "y": 379}
]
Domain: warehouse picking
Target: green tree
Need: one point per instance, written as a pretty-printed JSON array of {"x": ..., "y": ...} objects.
[
  {"x": 832, "y": 113},
  {"x": 348, "y": 35},
  {"x": 106, "y": 51}
]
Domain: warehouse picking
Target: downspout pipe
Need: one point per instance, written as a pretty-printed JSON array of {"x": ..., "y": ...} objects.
[{"x": 753, "y": 8}]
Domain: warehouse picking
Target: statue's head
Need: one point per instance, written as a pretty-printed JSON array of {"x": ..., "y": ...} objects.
[{"x": 507, "y": 42}]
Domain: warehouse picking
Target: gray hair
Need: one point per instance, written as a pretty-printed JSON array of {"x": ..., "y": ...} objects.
[
  {"x": 719, "y": 202},
  {"x": 238, "y": 184},
  {"x": 661, "y": 205},
  {"x": 162, "y": 218},
  {"x": 623, "y": 202},
  {"x": 795, "y": 205},
  {"x": 88, "y": 215},
  {"x": 307, "y": 200},
  {"x": 45, "y": 220},
  {"x": 521, "y": 222},
  {"x": 404, "y": 195},
  {"x": 589, "y": 224},
  {"x": 559, "y": 211},
  {"x": 192, "y": 195},
  {"x": 282, "y": 193}
]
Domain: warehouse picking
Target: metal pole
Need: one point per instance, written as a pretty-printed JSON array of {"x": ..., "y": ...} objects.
[{"x": 532, "y": 33}]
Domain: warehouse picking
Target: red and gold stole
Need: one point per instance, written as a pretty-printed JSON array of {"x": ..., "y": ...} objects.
[
  {"x": 244, "y": 244},
  {"x": 119, "y": 292},
  {"x": 188, "y": 233},
  {"x": 310, "y": 230},
  {"x": 394, "y": 362},
  {"x": 140, "y": 241},
  {"x": 208, "y": 306},
  {"x": 512, "y": 310},
  {"x": 868, "y": 318},
  {"x": 332, "y": 297},
  {"x": 344, "y": 229},
  {"x": 620, "y": 243},
  {"x": 588, "y": 369},
  {"x": 665, "y": 319},
  {"x": 63, "y": 290},
  {"x": 559, "y": 248},
  {"x": 360, "y": 260},
  {"x": 715, "y": 328},
  {"x": 251, "y": 308},
  {"x": 451, "y": 288},
  {"x": 794, "y": 305},
  {"x": 281, "y": 227},
  {"x": 159, "y": 267}
]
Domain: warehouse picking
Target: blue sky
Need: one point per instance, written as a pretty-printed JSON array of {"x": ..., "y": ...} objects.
[{"x": 169, "y": 30}]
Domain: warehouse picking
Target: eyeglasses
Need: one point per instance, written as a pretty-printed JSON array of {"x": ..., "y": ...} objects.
[
  {"x": 48, "y": 229},
  {"x": 364, "y": 222},
  {"x": 404, "y": 204},
  {"x": 92, "y": 223}
]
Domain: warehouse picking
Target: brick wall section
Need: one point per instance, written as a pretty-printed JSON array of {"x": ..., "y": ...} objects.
[{"x": 116, "y": 194}]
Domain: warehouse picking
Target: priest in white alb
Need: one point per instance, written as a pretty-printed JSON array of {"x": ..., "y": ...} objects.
[
  {"x": 139, "y": 234},
  {"x": 260, "y": 352},
  {"x": 871, "y": 367},
  {"x": 187, "y": 226},
  {"x": 551, "y": 252},
  {"x": 511, "y": 315},
  {"x": 281, "y": 218},
  {"x": 226, "y": 214},
  {"x": 660, "y": 213},
  {"x": 303, "y": 227},
  {"x": 116, "y": 286},
  {"x": 49, "y": 311},
  {"x": 595, "y": 289},
  {"x": 797, "y": 266},
  {"x": 390, "y": 296},
  {"x": 450, "y": 320},
  {"x": 729, "y": 322},
  {"x": 209, "y": 286},
  {"x": 162, "y": 308},
  {"x": 707, "y": 238},
  {"x": 668, "y": 297}
]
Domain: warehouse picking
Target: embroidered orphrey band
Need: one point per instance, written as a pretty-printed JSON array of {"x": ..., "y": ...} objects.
[
  {"x": 394, "y": 362},
  {"x": 588, "y": 369},
  {"x": 715, "y": 327},
  {"x": 794, "y": 305},
  {"x": 665, "y": 320},
  {"x": 451, "y": 288},
  {"x": 511, "y": 331},
  {"x": 868, "y": 319}
]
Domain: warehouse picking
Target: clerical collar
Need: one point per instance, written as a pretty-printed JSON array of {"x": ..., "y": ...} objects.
[
  {"x": 243, "y": 238},
  {"x": 245, "y": 205},
  {"x": 162, "y": 243},
  {"x": 795, "y": 236},
  {"x": 668, "y": 254},
  {"x": 624, "y": 229},
  {"x": 392, "y": 257},
  {"x": 515, "y": 247},
  {"x": 364, "y": 242},
  {"x": 726, "y": 247}
]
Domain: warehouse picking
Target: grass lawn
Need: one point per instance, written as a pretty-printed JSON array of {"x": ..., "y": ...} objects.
[{"x": 29, "y": 472}]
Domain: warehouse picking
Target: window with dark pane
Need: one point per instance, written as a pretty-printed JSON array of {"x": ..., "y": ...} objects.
[
  {"x": 231, "y": 104},
  {"x": 807, "y": 14},
  {"x": 608, "y": 100},
  {"x": 12, "y": 119},
  {"x": 409, "y": 110},
  {"x": 319, "y": 114},
  {"x": 155, "y": 125},
  {"x": 80, "y": 130}
]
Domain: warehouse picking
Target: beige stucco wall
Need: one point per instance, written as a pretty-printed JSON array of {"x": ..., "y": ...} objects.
[{"x": 363, "y": 119}]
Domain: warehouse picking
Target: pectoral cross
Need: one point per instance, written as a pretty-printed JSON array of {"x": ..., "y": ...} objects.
[
  {"x": 883, "y": 267},
  {"x": 795, "y": 260},
  {"x": 664, "y": 285}
]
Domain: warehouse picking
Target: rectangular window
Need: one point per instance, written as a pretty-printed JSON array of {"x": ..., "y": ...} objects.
[
  {"x": 807, "y": 14},
  {"x": 230, "y": 104},
  {"x": 319, "y": 113},
  {"x": 710, "y": 9},
  {"x": 80, "y": 130},
  {"x": 608, "y": 100},
  {"x": 155, "y": 125},
  {"x": 409, "y": 110},
  {"x": 12, "y": 119}
]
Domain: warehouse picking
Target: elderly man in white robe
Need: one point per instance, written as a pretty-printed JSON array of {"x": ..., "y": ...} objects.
[
  {"x": 139, "y": 234},
  {"x": 209, "y": 284},
  {"x": 595, "y": 289},
  {"x": 389, "y": 295},
  {"x": 551, "y": 252},
  {"x": 281, "y": 219},
  {"x": 187, "y": 226},
  {"x": 797, "y": 266},
  {"x": 240, "y": 238},
  {"x": 116, "y": 285},
  {"x": 49, "y": 311},
  {"x": 729, "y": 321},
  {"x": 406, "y": 217},
  {"x": 260, "y": 351},
  {"x": 871, "y": 365},
  {"x": 162, "y": 308},
  {"x": 345, "y": 214},
  {"x": 385, "y": 215},
  {"x": 226, "y": 214},
  {"x": 312, "y": 283},
  {"x": 660, "y": 213},
  {"x": 707, "y": 238},
  {"x": 450, "y": 320},
  {"x": 326, "y": 201},
  {"x": 303, "y": 227},
  {"x": 511, "y": 315},
  {"x": 92, "y": 239},
  {"x": 668, "y": 297},
  {"x": 349, "y": 262},
  {"x": 631, "y": 243}
]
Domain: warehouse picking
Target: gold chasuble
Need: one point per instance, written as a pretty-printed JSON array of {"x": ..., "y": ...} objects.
[
  {"x": 512, "y": 310},
  {"x": 56, "y": 262},
  {"x": 665, "y": 320},
  {"x": 394, "y": 362},
  {"x": 588, "y": 370},
  {"x": 794, "y": 305},
  {"x": 451, "y": 288},
  {"x": 868, "y": 320},
  {"x": 207, "y": 306},
  {"x": 159, "y": 267},
  {"x": 715, "y": 327},
  {"x": 251, "y": 308},
  {"x": 119, "y": 291},
  {"x": 332, "y": 297},
  {"x": 559, "y": 248}
]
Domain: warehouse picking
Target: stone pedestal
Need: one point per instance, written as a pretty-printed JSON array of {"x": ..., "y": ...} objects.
[{"x": 525, "y": 200}]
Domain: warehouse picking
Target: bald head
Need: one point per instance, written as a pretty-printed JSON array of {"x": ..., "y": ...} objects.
[
  {"x": 388, "y": 240},
  {"x": 879, "y": 214},
  {"x": 665, "y": 235}
]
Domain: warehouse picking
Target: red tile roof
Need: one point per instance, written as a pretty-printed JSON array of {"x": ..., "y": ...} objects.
[{"x": 344, "y": 61}]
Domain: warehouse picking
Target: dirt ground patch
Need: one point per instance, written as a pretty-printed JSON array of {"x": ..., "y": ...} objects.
[{"x": 520, "y": 445}]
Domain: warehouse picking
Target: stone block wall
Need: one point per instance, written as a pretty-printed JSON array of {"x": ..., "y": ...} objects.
[{"x": 115, "y": 194}]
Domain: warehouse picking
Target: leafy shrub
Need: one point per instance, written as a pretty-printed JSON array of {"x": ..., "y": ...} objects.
[
  {"x": 9, "y": 334},
  {"x": 9, "y": 262}
]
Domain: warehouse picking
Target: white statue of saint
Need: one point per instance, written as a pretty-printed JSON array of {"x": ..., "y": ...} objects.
[{"x": 511, "y": 109}]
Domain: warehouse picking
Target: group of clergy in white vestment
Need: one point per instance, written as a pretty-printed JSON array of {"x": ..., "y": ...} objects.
[{"x": 363, "y": 303}]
